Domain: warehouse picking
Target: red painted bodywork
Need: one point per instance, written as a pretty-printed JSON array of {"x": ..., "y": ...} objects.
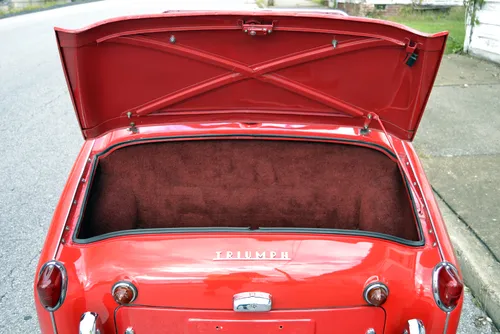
[{"x": 180, "y": 288}]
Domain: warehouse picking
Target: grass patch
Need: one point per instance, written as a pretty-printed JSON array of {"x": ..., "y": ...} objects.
[
  {"x": 27, "y": 9},
  {"x": 432, "y": 22},
  {"x": 261, "y": 3},
  {"x": 48, "y": 4}
]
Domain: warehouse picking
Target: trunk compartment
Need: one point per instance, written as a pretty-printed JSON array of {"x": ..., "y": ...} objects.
[{"x": 249, "y": 185}]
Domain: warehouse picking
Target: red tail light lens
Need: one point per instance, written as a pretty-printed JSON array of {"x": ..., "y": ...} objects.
[
  {"x": 51, "y": 285},
  {"x": 376, "y": 294},
  {"x": 447, "y": 286}
]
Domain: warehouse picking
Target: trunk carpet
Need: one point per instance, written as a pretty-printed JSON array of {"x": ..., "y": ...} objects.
[{"x": 248, "y": 183}]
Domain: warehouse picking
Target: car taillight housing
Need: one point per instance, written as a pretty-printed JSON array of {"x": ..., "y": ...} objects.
[
  {"x": 51, "y": 285},
  {"x": 376, "y": 293},
  {"x": 447, "y": 286}
]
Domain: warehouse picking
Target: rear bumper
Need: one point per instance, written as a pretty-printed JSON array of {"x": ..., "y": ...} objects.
[
  {"x": 415, "y": 326},
  {"x": 90, "y": 323}
]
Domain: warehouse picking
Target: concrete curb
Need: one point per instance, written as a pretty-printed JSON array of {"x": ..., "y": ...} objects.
[{"x": 480, "y": 270}]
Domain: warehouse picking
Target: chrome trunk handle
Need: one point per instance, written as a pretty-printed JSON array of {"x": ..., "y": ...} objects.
[{"x": 252, "y": 302}]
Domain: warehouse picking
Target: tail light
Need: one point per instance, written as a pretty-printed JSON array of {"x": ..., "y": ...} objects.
[
  {"x": 124, "y": 292},
  {"x": 51, "y": 285},
  {"x": 376, "y": 293},
  {"x": 447, "y": 286}
]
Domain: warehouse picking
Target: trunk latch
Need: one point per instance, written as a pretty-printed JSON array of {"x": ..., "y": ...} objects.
[
  {"x": 255, "y": 28},
  {"x": 411, "y": 55}
]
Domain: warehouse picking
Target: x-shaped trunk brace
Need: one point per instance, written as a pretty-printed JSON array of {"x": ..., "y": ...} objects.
[{"x": 262, "y": 72}]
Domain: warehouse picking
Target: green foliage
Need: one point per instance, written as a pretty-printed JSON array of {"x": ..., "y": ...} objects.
[
  {"x": 29, "y": 8},
  {"x": 452, "y": 21},
  {"x": 376, "y": 14}
]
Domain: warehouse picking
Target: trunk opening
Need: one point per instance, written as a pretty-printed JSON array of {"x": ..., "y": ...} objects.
[{"x": 248, "y": 183}]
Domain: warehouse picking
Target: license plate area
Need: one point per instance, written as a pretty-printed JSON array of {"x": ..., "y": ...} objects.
[
  {"x": 283, "y": 326},
  {"x": 158, "y": 320}
]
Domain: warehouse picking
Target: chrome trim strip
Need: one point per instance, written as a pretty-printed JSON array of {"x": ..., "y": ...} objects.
[
  {"x": 71, "y": 206},
  {"x": 64, "y": 284},
  {"x": 431, "y": 221},
  {"x": 446, "y": 323},
  {"x": 372, "y": 286},
  {"x": 435, "y": 288},
  {"x": 53, "y": 320},
  {"x": 125, "y": 284}
]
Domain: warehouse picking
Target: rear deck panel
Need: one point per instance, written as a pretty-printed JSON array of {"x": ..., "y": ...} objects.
[{"x": 351, "y": 320}]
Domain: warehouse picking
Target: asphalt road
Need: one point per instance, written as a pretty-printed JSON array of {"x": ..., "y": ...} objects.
[{"x": 40, "y": 139}]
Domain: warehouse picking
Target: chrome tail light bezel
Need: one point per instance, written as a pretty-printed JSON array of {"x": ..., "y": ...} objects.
[
  {"x": 125, "y": 284},
  {"x": 64, "y": 282},
  {"x": 371, "y": 286},
  {"x": 435, "y": 284}
]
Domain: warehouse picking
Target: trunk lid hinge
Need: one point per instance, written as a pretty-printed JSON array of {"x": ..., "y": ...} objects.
[
  {"x": 411, "y": 55},
  {"x": 366, "y": 126},
  {"x": 132, "y": 128}
]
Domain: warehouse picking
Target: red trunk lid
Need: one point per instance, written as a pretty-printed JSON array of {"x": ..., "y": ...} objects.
[
  {"x": 260, "y": 65},
  {"x": 188, "y": 280},
  {"x": 205, "y": 271}
]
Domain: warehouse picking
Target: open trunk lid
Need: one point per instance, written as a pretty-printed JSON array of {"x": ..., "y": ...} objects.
[{"x": 255, "y": 65}]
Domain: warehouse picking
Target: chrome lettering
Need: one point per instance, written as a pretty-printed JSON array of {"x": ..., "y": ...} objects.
[{"x": 251, "y": 255}]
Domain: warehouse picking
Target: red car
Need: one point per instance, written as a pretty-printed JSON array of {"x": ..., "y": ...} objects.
[{"x": 248, "y": 172}]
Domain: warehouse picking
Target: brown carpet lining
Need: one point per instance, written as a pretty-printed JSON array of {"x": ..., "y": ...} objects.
[{"x": 248, "y": 183}]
